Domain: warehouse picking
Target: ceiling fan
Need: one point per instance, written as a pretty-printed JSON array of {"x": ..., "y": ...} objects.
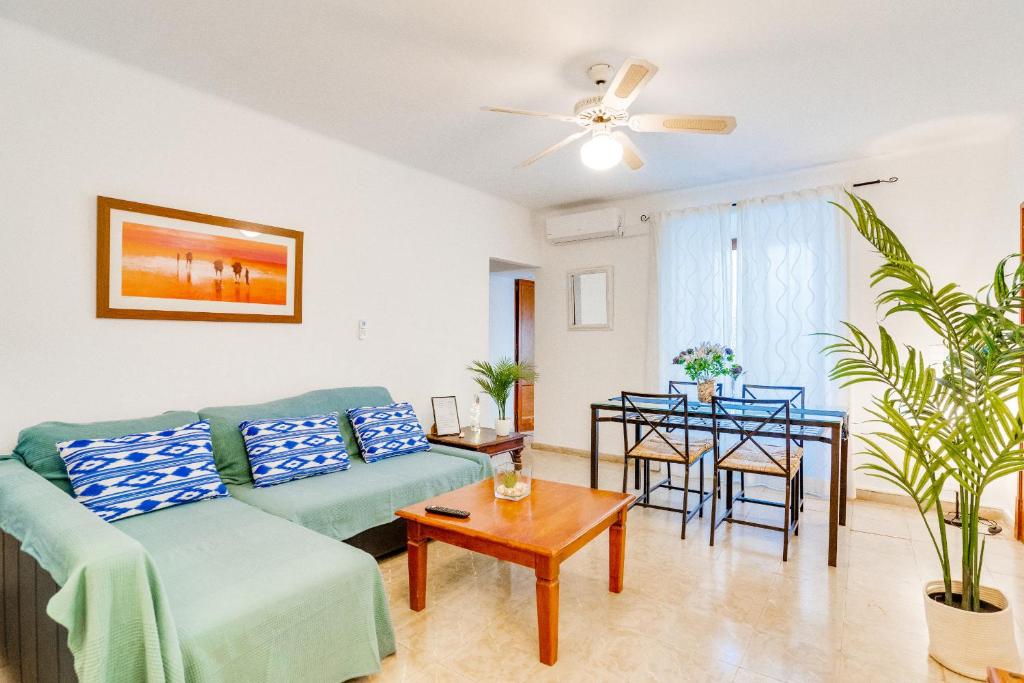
[{"x": 600, "y": 114}]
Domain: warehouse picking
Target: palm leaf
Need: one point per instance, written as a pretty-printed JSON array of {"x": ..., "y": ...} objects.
[{"x": 498, "y": 379}]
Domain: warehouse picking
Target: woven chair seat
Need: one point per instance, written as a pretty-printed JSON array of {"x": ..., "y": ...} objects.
[
  {"x": 655, "y": 448},
  {"x": 750, "y": 458}
]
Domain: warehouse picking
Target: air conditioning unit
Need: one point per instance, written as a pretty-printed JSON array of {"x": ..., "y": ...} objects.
[{"x": 588, "y": 225}]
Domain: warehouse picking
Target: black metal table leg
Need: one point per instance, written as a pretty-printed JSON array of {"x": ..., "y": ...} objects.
[
  {"x": 636, "y": 463},
  {"x": 844, "y": 466},
  {"x": 593, "y": 447},
  {"x": 833, "y": 496}
]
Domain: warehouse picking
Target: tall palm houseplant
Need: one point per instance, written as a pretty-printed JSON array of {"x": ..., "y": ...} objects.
[
  {"x": 958, "y": 424},
  {"x": 497, "y": 381}
]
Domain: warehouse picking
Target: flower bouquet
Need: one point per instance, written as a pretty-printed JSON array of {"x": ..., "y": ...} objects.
[{"x": 705, "y": 363}]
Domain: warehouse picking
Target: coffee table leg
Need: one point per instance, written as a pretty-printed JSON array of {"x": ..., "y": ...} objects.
[
  {"x": 417, "y": 546},
  {"x": 617, "y": 552},
  {"x": 547, "y": 609}
]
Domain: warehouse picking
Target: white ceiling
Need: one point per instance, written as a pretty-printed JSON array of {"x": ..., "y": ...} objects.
[{"x": 810, "y": 81}]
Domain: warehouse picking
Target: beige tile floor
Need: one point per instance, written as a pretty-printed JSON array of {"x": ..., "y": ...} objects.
[{"x": 690, "y": 612}]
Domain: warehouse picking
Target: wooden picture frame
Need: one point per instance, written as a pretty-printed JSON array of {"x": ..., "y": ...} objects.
[
  {"x": 450, "y": 410},
  {"x": 141, "y": 273}
]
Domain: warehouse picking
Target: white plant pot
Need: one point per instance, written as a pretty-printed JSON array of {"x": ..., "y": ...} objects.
[
  {"x": 503, "y": 427},
  {"x": 968, "y": 642}
]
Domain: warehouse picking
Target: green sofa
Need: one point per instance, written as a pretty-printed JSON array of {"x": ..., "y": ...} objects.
[{"x": 253, "y": 587}]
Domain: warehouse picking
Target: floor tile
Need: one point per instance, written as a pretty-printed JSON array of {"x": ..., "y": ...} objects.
[{"x": 691, "y": 611}]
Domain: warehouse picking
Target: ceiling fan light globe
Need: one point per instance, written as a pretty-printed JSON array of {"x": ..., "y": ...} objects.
[{"x": 601, "y": 152}]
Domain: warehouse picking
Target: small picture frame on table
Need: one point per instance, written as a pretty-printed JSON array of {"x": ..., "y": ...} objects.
[{"x": 446, "y": 415}]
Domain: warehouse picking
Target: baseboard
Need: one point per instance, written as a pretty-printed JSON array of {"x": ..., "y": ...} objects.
[
  {"x": 578, "y": 452},
  {"x": 903, "y": 500},
  {"x": 585, "y": 453}
]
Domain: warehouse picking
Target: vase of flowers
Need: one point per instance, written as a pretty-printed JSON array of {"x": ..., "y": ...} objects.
[{"x": 705, "y": 363}]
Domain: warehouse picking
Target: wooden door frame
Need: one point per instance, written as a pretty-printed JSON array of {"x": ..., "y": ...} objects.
[{"x": 516, "y": 312}]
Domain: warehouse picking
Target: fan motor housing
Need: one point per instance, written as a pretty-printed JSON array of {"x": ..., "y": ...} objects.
[{"x": 589, "y": 110}]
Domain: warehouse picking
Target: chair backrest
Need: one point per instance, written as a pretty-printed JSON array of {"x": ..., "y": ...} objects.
[
  {"x": 658, "y": 425},
  {"x": 682, "y": 387},
  {"x": 754, "y": 420},
  {"x": 794, "y": 395}
]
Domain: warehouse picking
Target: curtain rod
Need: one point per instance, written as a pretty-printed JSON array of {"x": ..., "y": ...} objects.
[
  {"x": 892, "y": 179},
  {"x": 876, "y": 181}
]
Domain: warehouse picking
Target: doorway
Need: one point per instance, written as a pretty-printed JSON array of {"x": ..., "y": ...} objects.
[{"x": 511, "y": 332}]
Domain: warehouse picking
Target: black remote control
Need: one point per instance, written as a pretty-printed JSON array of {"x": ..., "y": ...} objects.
[{"x": 447, "y": 512}]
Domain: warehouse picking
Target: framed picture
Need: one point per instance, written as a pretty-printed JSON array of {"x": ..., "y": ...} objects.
[
  {"x": 156, "y": 263},
  {"x": 446, "y": 415}
]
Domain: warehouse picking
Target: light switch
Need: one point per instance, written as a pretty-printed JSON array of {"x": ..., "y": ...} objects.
[{"x": 364, "y": 328}]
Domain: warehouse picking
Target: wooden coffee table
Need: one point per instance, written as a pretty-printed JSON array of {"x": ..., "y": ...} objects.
[{"x": 540, "y": 531}]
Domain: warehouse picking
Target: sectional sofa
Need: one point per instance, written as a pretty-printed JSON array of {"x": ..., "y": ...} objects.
[{"x": 268, "y": 584}]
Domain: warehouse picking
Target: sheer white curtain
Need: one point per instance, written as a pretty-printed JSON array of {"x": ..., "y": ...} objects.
[
  {"x": 791, "y": 283},
  {"x": 691, "y": 286}
]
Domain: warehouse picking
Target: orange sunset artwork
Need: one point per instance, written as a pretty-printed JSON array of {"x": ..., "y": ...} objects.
[{"x": 165, "y": 263}]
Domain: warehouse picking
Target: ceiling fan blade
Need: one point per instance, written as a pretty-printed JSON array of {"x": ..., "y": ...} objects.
[
  {"x": 682, "y": 123},
  {"x": 527, "y": 112},
  {"x": 630, "y": 79},
  {"x": 630, "y": 154},
  {"x": 557, "y": 146}
]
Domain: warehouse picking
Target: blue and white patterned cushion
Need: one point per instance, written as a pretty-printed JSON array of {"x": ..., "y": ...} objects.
[
  {"x": 137, "y": 473},
  {"x": 283, "y": 449},
  {"x": 387, "y": 431}
]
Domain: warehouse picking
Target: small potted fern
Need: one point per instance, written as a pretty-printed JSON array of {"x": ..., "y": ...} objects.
[
  {"x": 497, "y": 380},
  {"x": 960, "y": 424}
]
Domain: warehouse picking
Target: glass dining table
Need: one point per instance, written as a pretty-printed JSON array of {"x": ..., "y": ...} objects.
[{"x": 822, "y": 425}]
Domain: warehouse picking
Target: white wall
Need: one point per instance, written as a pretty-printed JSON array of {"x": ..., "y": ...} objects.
[
  {"x": 404, "y": 249},
  {"x": 580, "y": 366},
  {"x": 954, "y": 207},
  {"x": 502, "y": 330}
]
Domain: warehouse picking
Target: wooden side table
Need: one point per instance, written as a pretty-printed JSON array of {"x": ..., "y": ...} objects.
[{"x": 485, "y": 441}]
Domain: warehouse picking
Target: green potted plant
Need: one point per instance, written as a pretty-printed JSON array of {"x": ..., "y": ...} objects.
[
  {"x": 497, "y": 380},
  {"x": 959, "y": 424},
  {"x": 705, "y": 363}
]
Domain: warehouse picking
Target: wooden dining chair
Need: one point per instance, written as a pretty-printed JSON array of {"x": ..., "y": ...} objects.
[
  {"x": 754, "y": 454},
  {"x": 655, "y": 442},
  {"x": 797, "y": 398}
]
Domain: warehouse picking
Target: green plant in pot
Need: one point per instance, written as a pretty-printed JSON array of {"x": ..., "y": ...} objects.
[
  {"x": 957, "y": 426},
  {"x": 497, "y": 381}
]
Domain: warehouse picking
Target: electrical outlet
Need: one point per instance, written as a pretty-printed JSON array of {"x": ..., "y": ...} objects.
[{"x": 364, "y": 329}]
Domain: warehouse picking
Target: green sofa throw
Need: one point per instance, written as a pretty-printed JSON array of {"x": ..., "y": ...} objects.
[
  {"x": 262, "y": 600},
  {"x": 343, "y": 504},
  {"x": 111, "y": 601},
  {"x": 214, "y": 591}
]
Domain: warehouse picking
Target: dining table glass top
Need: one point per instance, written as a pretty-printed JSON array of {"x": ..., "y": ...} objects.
[{"x": 822, "y": 416}]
